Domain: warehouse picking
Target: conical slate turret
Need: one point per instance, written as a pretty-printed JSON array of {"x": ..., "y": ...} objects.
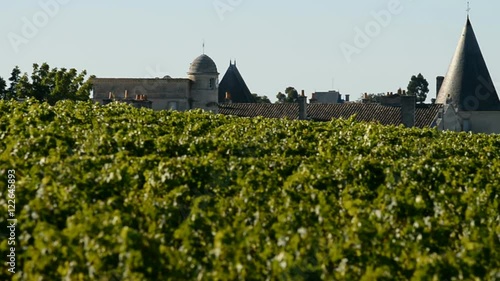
[
  {"x": 233, "y": 83},
  {"x": 468, "y": 84}
]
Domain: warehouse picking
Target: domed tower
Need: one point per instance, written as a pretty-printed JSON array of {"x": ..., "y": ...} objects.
[{"x": 204, "y": 89}]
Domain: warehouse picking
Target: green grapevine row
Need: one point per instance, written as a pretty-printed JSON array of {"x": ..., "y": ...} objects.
[{"x": 118, "y": 193}]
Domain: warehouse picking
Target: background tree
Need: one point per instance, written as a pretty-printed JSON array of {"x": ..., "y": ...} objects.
[
  {"x": 372, "y": 98},
  {"x": 261, "y": 99},
  {"x": 15, "y": 76},
  {"x": 418, "y": 87},
  {"x": 281, "y": 97},
  {"x": 291, "y": 95},
  {"x": 52, "y": 85},
  {"x": 3, "y": 88}
]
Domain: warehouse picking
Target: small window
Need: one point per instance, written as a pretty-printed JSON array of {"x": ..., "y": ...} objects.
[
  {"x": 212, "y": 84},
  {"x": 466, "y": 125},
  {"x": 172, "y": 105}
]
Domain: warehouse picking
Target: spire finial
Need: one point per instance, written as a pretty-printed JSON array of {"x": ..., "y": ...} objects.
[
  {"x": 468, "y": 9},
  {"x": 203, "y": 46}
]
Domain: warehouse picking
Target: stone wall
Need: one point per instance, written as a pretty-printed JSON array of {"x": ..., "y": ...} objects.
[
  {"x": 325, "y": 97},
  {"x": 449, "y": 120},
  {"x": 205, "y": 91},
  {"x": 481, "y": 121},
  {"x": 164, "y": 93}
]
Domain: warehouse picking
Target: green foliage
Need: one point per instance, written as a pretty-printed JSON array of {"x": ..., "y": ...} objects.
[
  {"x": 372, "y": 97},
  {"x": 261, "y": 99},
  {"x": 290, "y": 96},
  {"x": 50, "y": 85},
  {"x": 14, "y": 80},
  {"x": 418, "y": 87},
  {"x": 3, "y": 89},
  {"x": 118, "y": 193}
]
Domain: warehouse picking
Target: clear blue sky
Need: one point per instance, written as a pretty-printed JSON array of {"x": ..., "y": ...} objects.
[{"x": 276, "y": 43}]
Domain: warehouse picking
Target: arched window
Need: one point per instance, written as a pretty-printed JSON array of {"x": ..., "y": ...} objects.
[{"x": 211, "y": 84}]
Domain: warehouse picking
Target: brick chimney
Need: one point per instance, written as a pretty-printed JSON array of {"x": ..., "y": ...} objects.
[
  {"x": 302, "y": 106},
  {"x": 228, "y": 97},
  {"x": 408, "y": 109}
]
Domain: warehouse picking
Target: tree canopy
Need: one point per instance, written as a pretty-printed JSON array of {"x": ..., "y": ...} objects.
[
  {"x": 3, "y": 88},
  {"x": 49, "y": 85},
  {"x": 10, "y": 93},
  {"x": 418, "y": 87},
  {"x": 372, "y": 98},
  {"x": 261, "y": 99},
  {"x": 291, "y": 95}
]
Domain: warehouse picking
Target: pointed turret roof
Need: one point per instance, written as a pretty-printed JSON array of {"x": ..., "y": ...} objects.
[
  {"x": 468, "y": 84},
  {"x": 233, "y": 83}
]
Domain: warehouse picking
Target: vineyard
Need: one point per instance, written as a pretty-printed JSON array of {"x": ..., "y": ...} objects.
[{"x": 118, "y": 193}]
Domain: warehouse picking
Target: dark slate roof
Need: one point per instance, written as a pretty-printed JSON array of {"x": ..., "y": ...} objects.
[
  {"x": 203, "y": 65},
  {"x": 468, "y": 84},
  {"x": 233, "y": 83},
  {"x": 426, "y": 115}
]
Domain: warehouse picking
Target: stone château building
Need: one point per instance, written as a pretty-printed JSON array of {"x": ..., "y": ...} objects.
[
  {"x": 466, "y": 98},
  {"x": 201, "y": 89},
  {"x": 198, "y": 90},
  {"x": 467, "y": 91}
]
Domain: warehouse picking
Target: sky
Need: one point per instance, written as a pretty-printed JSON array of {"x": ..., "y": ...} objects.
[{"x": 351, "y": 46}]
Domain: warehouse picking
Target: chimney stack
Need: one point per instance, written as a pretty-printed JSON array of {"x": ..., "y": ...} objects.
[
  {"x": 302, "y": 106},
  {"x": 439, "y": 83},
  {"x": 408, "y": 109},
  {"x": 347, "y": 97},
  {"x": 313, "y": 99}
]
